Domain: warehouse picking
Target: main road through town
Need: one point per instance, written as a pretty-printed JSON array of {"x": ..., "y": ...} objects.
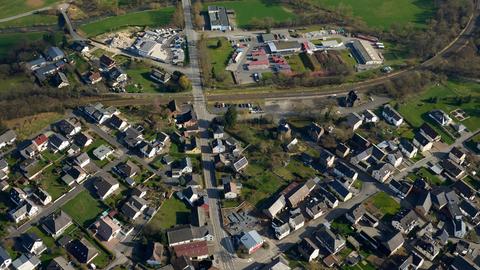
[{"x": 224, "y": 250}]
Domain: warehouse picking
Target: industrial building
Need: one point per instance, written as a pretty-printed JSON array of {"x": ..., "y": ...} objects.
[
  {"x": 218, "y": 18},
  {"x": 365, "y": 53},
  {"x": 284, "y": 47}
]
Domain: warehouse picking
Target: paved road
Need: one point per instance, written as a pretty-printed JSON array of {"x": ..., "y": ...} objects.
[
  {"x": 11, "y": 18},
  {"x": 73, "y": 33}
]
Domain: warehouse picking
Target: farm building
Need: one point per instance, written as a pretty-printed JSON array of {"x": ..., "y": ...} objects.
[{"x": 365, "y": 53}]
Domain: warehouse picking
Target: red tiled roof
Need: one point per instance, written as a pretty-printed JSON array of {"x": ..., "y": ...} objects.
[
  {"x": 192, "y": 250},
  {"x": 40, "y": 139}
]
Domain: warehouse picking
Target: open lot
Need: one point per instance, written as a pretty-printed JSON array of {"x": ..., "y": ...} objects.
[
  {"x": 29, "y": 126},
  {"x": 172, "y": 212},
  {"x": 15, "y": 7},
  {"x": 383, "y": 203},
  {"x": 383, "y": 13},
  {"x": 247, "y": 10},
  {"x": 84, "y": 208},
  {"x": 447, "y": 97},
  {"x": 152, "y": 18},
  {"x": 219, "y": 56}
]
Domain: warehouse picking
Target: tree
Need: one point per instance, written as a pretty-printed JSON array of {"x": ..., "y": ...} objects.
[
  {"x": 219, "y": 43},
  {"x": 230, "y": 117},
  {"x": 184, "y": 83}
]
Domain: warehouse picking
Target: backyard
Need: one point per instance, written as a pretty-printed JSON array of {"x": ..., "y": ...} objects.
[
  {"x": 153, "y": 18},
  {"x": 84, "y": 208},
  {"x": 384, "y": 13},
  {"x": 247, "y": 10}
]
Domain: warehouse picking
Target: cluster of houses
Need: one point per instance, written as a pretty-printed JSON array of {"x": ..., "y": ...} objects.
[{"x": 49, "y": 66}]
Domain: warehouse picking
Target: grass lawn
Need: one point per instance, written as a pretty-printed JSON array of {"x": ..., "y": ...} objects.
[
  {"x": 32, "y": 20},
  {"x": 219, "y": 55},
  {"x": 12, "y": 81},
  {"x": 29, "y": 126},
  {"x": 260, "y": 186},
  {"x": 425, "y": 173},
  {"x": 141, "y": 82},
  {"x": 152, "y": 18},
  {"x": 294, "y": 170},
  {"x": 52, "y": 183},
  {"x": 383, "y": 13},
  {"x": 84, "y": 208},
  {"x": 47, "y": 240},
  {"x": 10, "y": 8},
  {"x": 384, "y": 203},
  {"x": 246, "y": 10},
  {"x": 172, "y": 212},
  {"x": 10, "y": 40},
  {"x": 296, "y": 63},
  {"x": 416, "y": 108}
]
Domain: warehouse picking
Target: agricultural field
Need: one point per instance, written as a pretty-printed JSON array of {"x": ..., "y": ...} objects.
[
  {"x": 31, "y": 20},
  {"x": 447, "y": 97},
  {"x": 384, "y": 13},
  {"x": 10, "y": 8},
  {"x": 161, "y": 17},
  {"x": 84, "y": 208},
  {"x": 247, "y": 10},
  {"x": 10, "y": 40}
]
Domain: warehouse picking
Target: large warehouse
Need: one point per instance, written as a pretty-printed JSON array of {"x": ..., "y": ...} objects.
[
  {"x": 365, "y": 53},
  {"x": 218, "y": 18}
]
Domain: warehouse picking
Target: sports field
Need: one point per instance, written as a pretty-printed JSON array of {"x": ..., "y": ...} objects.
[
  {"x": 383, "y": 13},
  {"x": 246, "y": 10},
  {"x": 159, "y": 17},
  {"x": 14, "y": 7}
]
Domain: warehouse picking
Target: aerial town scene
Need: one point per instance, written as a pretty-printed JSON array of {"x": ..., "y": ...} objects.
[{"x": 240, "y": 134}]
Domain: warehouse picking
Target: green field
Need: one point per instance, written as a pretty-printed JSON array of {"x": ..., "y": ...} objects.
[
  {"x": 219, "y": 56},
  {"x": 152, "y": 18},
  {"x": 383, "y": 13},
  {"x": 141, "y": 81},
  {"x": 172, "y": 212},
  {"x": 32, "y": 20},
  {"x": 444, "y": 97},
  {"x": 384, "y": 203},
  {"x": 9, "y": 41},
  {"x": 247, "y": 10},
  {"x": 426, "y": 174},
  {"x": 84, "y": 209},
  {"x": 14, "y": 7}
]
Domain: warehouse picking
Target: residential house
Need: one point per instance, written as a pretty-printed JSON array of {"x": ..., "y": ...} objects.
[
  {"x": 428, "y": 247},
  {"x": 230, "y": 190},
  {"x": 103, "y": 152},
  {"x": 370, "y": 117},
  {"x": 422, "y": 142},
  {"x": 251, "y": 241},
  {"x": 32, "y": 244},
  {"x": 392, "y": 116},
  {"x": 329, "y": 198},
  {"x": 127, "y": 169},
  {"x": 326, "y": 159},
  {"x": 276, "y": 207},
  {"x": 106, "y": 62},
  {"x": 405, "y": 221},
  {"x": 56, "y": 223},
  {"x": 98, "y": 113},
  {"x": 82, "y": 160},
  {"x": 5, "y": 259},
  {"x": 218, "y": 18},
  {"x": 82, "y": 139},
  {"x": 23, "y": 211},
  {"x": 453, "y": 170},
  {"x": 154, "y": 255},
  {"x": 80, "y": 46},
  {"x": 17, "y": 195},
  {"x": 457, "y": 155},
  {"x": 401, "y": 188},
  {"x": 412, "y": 262},
  {"x": 60, "y": 80},
  {"x": 459, "y": 227},
  {"x": 92, "y": 77},
  {"x": 240, "y": 164},
  {"x": 42, "y": 196},
  {"x": 193, "y": 251},
  {"x": 186, "y": 119},
  {"x": 134, "y": 207},
  {"x": 279, "y": 263},
  {"x": 315, "y": 208},
  {"x": 331, "y": 242},
  {"x": 68, "y": 127},
  {"x": 342, "y": 150},
  {"x": 58, "y": 142},
  {"x": 41, "y": 142},
  {"x": 181, "y": 167},
  {"x": 315, "y": 131},
  {"x": 190, "y": 194},
  {"x": 118, "y": 123},
  {"x": 149, "y": 150},
  {"x": 382, "y": 172},
  {"x": 428, "y": 132},
  {"x": 439, "y": 198},
  {"x": 106, "y": 229},
  {"x": 395, "y": 158},
  {"x": 343, "y": 170},
  {"x": 7, "y": 138},
  {"x": 217, "y": 146},
  {"x": 354, "y": 121},
  {"x": 73, "y": 175},
  {"x": 297, "y": 195},
  {"x": 407, "y": 148},
  {"x": 308, "y": 249},
  {"x": 36, "y": 64},
  {"x": 188, "y": 234},
  {"x": 393, "y": 243},
  {"x": 25, "y": 262},
  {"x": 356, "y": 214},
  {"x": 105, "y": 186},
  {"x": 82, "y": 250},
  {"x": 160, "y": 76},
  {"x": 296, "y": 220},
  {"x": 59, "y": 263},
  {"x": 342, "y": 192},
  {"x": 470, "y": 210},
  {"x": 423, "y": 203},
  {"x": 464, "y": 190},
  {"x": 359, "y": 143},
  {"x": 440, "y": 117},
  {"x": 281, "y": 230}
]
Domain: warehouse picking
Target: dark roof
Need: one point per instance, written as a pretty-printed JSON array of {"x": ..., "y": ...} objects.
[
  {"x": 452, "y": 168},
  {"x": 127, "y": 169},
  {"x": 464, "y": 190},
  {"x": 59, "y": 263},
  {"x": 56, "y": 222},
  {"x": 339, "y": 188},
  {"x": 345, "y": 169},
  {"x": 457, "y": 152},
  {"x": 422, "y": 140},
  {"x": 82, "y": 250},
  {"x": 29, "y": 239},
  {"x": 429, "y": 131},
  {"x": 359, "y": 142},
  {"x": 186, "y": 233},
  {"x": 407, "y": 145},
  {"x": 106, "y": 61},
  {"x": 81, "y": 138},
  {"x": 391, "y": 112}
]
